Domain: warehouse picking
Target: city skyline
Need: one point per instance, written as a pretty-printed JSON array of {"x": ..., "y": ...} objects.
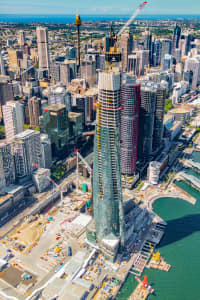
[
  {"x": 99, "y": 150},
  {"x": 87, "y": 7}
]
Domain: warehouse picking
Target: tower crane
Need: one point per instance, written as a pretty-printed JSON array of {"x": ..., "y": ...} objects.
[
  {"x": 156, "y": 256},
  {"x": 138, "y": 10},
  {"x": 52, "y": 181},
  {"x": 87, "y": 166},
  {"x": 112, "y": 51}
]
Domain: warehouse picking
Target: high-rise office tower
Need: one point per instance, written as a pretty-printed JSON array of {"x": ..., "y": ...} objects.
[
  {"x": 107, "y": 191},
  {"x": 159, "y": 116},
  {"x": 43, "y": 48},
  {"x": 26, "y": 148},
  {"x": 13, "y": 116},
  {"x": 156, "y": 53},
  {"x": 166, "y": 47},
  {"x": 126, "y": 44},
  {"x": 67, "y": 71},
  {"x": 102, "y": 62},
  {"x": 55, "y": 71},
  {"x": 35, "y": 110},
  {"x": 21, "y": 38},
  {"x": 15, "y": 59},
  {"x": 167, "y": 62},
  {"x": 7, "y": 167},
  {"x": 138, "y": 62},
  {"x": 55, "y": 123},
  {"x": 79, "y": 104},
  {"x": 133, "y": 63},
  {"x": 142, "y": 61},
  {"x": 147, "y": 42},
  {"x": 46, "y": 154},
  {"x": 176, "y": 38},
  {"x": 91, "y": 99},
  {"x": 147, "y": 39},
  {"x": 184, "y": 44},
  {"x": 2, "y": 65},
  {"x": 6, "y": 92},
  {"x": 188, "y": 77},
  {"x": 192, "y": 64},
  {"x": 129, "y": 126},
  {"x": 146, "y": 121},
  {"x": 177, "y": 55},
  {"x": 88, "y": 72}
]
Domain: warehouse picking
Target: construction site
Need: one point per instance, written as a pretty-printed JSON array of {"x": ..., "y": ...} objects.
[{"x": 52, "y": 245}]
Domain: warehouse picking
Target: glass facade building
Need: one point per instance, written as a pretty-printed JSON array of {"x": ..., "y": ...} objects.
[
  {"x": 55, "y": 123},
  {"x": 107, "y": 191}
]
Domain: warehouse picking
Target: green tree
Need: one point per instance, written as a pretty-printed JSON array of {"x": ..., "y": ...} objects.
[
  {"x": 2, "y": 132},
  {"x": 168, "y": 105}
]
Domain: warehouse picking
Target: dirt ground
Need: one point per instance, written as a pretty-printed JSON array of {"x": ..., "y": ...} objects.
[{"x": 28, "y": 233}]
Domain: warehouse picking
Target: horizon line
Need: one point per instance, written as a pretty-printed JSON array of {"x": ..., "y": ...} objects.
[{"x": 103, "y": 14}]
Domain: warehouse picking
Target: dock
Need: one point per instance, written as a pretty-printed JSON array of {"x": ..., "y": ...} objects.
[
  {"x": 159, "y": 265},
  {"x": 140, "y": 264},
  {"x": 145, "y": 253},
  {"x": 141, "y": 293}
]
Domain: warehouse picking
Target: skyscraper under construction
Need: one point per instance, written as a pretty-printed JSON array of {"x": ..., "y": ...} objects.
[{"x": 107, "y": 191}]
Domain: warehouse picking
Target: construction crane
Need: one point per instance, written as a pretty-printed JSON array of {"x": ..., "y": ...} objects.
[
  {"x": 138, "y": 10},
  {"x": 87, "y": 166},
  {"x": 112, "y": 51},
  {"x": 51, "y": 180},
  {"x": 156, "y": 256}
]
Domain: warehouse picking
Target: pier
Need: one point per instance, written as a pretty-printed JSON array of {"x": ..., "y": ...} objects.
[
  {"x": 192, "y": 164},
  {"x": 192, "y": 180},
  {"x": 187, "y": 197},
  {"x": 140, "y": 264},
  {"x": 158, "y": 262},
  {"x": 141, "y": 292}
]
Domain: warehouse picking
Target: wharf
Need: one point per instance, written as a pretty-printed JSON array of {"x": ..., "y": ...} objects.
[
  {"x": 184, "y": 195},
  {"x": 141, "y": 293},
  {"x": 140, "y": 264},
  {"x": 160, "y": 265}
]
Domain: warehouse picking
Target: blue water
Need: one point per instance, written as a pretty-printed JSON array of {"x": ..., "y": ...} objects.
[
  {"x": 70, "y": 18},
  {"x": 180, "y": 248}
]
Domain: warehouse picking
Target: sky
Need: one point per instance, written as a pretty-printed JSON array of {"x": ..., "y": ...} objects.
[{"x": 98, "y": 7}]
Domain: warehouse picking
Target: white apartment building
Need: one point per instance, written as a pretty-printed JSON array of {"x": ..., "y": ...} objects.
[
  {"x": 26, "y": 149},
  {"x": 13, "y": 116}
]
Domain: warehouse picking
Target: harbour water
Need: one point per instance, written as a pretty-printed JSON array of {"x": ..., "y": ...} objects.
[{"x": 180, "y": 248}]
